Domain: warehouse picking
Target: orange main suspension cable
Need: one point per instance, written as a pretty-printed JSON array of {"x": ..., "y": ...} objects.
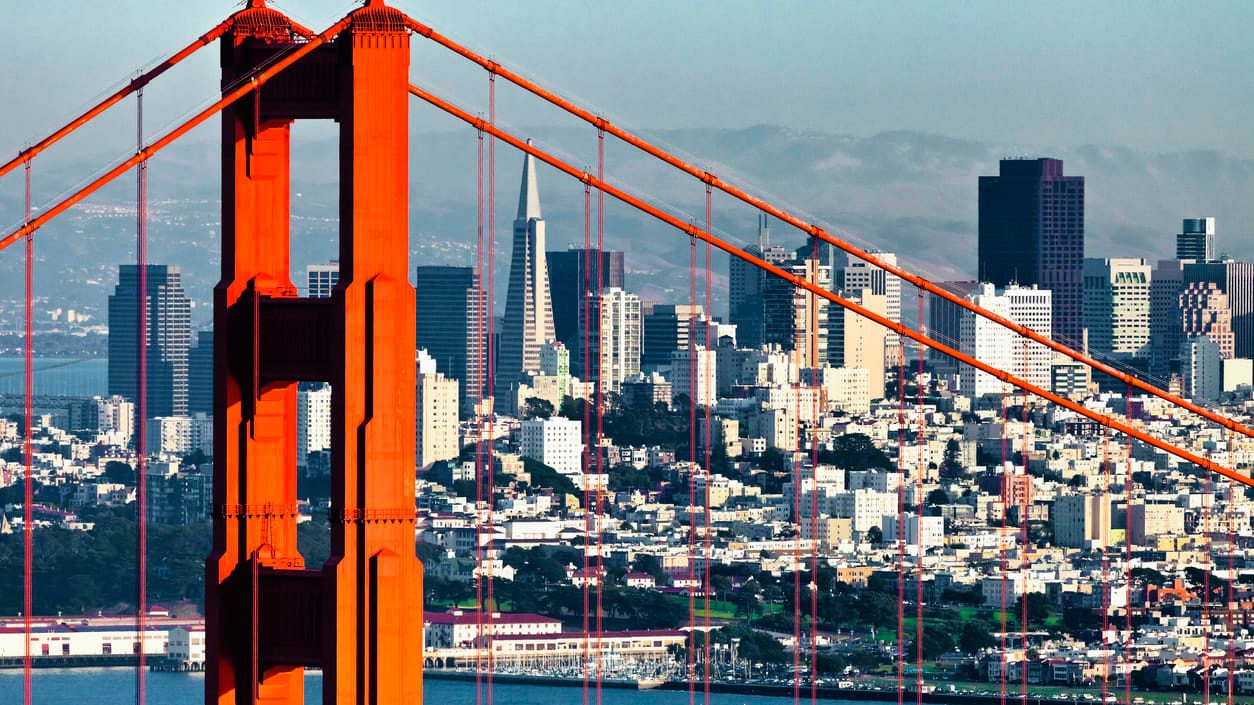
[
  {"x": 132, "y": 86},
  {"x": 244, "y": 88},
  {"x": 814, "y": 230},
  {"x": 696, "y": 233}
]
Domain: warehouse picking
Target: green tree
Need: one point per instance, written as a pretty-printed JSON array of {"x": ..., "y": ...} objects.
[
  {"x": 537, "y": 408},
  {"x": 856, "y": 451},
  {"x": 976, "y": 635},
  {"x": 1039, "y": 608},
  {"x": 119, "y": 472},
  {"x": 951, "y": 465}
]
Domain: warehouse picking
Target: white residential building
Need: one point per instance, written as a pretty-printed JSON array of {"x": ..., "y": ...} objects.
[
  {"x": 313, "y": 420},
  {"x": 1000, "y": 347},
  {"x": 437, "y": 406},
  {"x": 858, "y": 274},
  {"x": 706, "y": 364},
  {"x": 617, "y": 337},
  {"x": 1202, "y": 364},
  {"x": 556, "y": 442}
]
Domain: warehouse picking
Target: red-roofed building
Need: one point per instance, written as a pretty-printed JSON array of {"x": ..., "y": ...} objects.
[
  {"x": 463, "y": 628},
  {"x": 640, "y": 580}
]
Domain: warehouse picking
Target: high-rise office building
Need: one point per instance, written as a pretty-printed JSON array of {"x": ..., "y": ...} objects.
[
  {"x": 1196, "y": 240},
  {"x": 168, "y": 338},
  {"x": 614, "y": 340},
  {"x": 573, "y": 275},
  {"x": 1204, "y": 311},
  {"x": 854, "y": 274},
  {"x": 1166, "y": 325},
  {"x": 1202, "y": 369},
  {"x": 200, "y": 374},
  {"x": 1031, "y": 232},
  {"x": 854, "y": 341},
  {"x": 796, "y": 319},
  {"x": 451, "y": 322},
  {"x": 528, "y": 322},
  {"x": 1236, "y": 279},
  {"x": 1000, "y": 347},
  {"x": 435, "y": 433},
  {"x": 666, "y": 329},
  {"x": 313, "y": 420},
  {"x": 320, "y": 279},
  {"x": 1117, "y": 310},
  {"x": 746, "y": 308},
  {"x": 694, "y": 374}
]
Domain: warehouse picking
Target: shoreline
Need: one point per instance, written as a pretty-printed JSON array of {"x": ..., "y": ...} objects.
[{"x": 760, "y": 689}]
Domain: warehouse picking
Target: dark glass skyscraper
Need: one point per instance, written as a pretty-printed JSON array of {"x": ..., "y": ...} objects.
[
  {"x": 1032, "y": 233},
  {"x": 169, "y": 336},
  {"x": 200, "y": 375},
  {"x": 450, "y": 310},
  {"x": 1196, "y": 240},
  {"x": 566, "y": 285}
]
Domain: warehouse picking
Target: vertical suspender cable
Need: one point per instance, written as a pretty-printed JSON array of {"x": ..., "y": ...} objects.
[
  {"x": 706, "y": 374},
  {"x": 28, "y": 496},
  {"x": 692, "y": 472},
  {"x": 600, "y": 411},
  {"x": 585, "y": 271},
  {"x": 796, "y": 542},
  {"x": 141, "y": 399},
  {"x": 812, "y": 344},
  {"x": 1127, "y": 557},
  {"x": 1106, "y": 564},
  {"x": 1207, "y": 496},
  {"x": 1003, "y": 538},
  {"x": 491, "y": 456},
  {"x": 1229, "y": 661},
  {"x": 901, "y": 526},
  {"x": 1024, "y": 563},
  {"x": 481, "y": 421},
  {"x": 918, "y": 516}
]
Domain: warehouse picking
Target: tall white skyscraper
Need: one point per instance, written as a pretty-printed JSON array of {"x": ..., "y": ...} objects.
[
  {"x": 435, "y": 432},
  {"x": 313, "y": 420},
  {"x": 320, "y": 279},
  {"x": 995, "y": 345},
  {"x": 617, "y": 337},
  {"x": 1117, "y": 307},
  {"x": 702, "y": 362},
  {"x": 857, "y": 274},
  {"x": 854, "y": 341},
  {"x": 528, "y": 322},
  {"x": 556, "y": 442}
]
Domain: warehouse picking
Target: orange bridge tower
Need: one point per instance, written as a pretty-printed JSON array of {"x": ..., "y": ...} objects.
[{"x": 359, "y": 616}]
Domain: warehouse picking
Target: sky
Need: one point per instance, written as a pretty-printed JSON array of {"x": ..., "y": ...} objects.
[{"x": 1152, "y": 75}]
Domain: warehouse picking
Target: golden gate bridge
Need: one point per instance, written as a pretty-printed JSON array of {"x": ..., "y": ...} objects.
[{"x": 356, "y": 618}]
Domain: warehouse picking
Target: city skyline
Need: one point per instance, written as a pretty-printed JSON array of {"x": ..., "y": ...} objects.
[{"x": 433, "y": 461}]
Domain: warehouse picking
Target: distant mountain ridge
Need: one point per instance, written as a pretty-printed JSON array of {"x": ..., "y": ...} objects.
[{"x": 908, "y": 192}]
